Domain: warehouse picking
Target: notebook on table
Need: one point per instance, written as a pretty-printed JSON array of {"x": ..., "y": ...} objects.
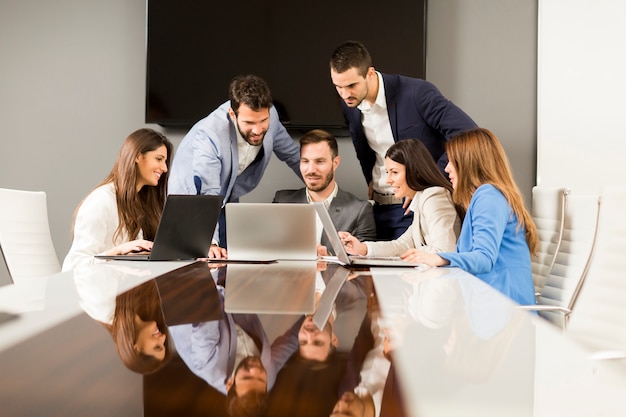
[
  {"x": 185, "y": 230},
  {"x": 353, "y": 260},
  {"x": 267, "y": 232}
]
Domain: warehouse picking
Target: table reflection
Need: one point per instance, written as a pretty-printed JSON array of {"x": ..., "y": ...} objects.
[
  {"x": 204, "y": 327},
  {"x": 329, "y": 360},
  {"x": 474, "y": 324},
  {"x": 234, "y": 355},
  {"x": 422, "y": 343},
  {"x": 469, "y": 331},
  {"x": 133, "y": 317},
  {"x": 251, "y": 364}
]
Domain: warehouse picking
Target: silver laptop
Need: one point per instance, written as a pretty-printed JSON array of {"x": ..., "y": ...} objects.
[
  {"x": 354, "y": 260},
  {"x": 185, "y": 230},
  {"x": 285, "y": 287},
  {"x": 270, "y": 231}
]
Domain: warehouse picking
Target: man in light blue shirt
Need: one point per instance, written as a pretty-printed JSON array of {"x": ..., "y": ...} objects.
[{"x": 227, "y": 152}]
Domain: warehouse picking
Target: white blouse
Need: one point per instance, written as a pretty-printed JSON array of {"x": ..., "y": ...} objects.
[{"x": 95, "y": 224}]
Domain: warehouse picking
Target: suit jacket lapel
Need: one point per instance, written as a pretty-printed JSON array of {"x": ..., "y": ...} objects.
[{"x": 390, "y": 98}]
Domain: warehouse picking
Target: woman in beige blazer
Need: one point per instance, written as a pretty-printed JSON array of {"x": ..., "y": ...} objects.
[{"x": 413, "y": 175}]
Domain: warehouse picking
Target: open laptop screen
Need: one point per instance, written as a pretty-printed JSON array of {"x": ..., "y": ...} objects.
[
  {"x": 271, "y": 231},
  {"x": 185, "y": 230}
]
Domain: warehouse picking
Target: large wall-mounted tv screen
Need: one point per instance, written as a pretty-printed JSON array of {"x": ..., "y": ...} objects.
[{"x": 196, "y": 47}]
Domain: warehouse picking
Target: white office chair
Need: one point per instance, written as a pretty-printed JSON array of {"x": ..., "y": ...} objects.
[
  {"x": 599, "y": 319},
  {"x": 565, "y": 279},
  {"x": 25, "y": 237},
  {"x": 548, "y": 205}
]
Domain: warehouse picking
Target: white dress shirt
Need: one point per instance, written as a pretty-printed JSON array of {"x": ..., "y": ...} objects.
[
  {"x": 376, "y": 366},
  {"x": 247, "y": 153},
  {"x": 377, "y": 129},
  {"x": 245, "y": 347}
]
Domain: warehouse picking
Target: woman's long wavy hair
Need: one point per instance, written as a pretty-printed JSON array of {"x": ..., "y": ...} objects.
[
  {"x": 145, "y": 302},
  {"x": 479, "y": 158},
  {"x": 138, "y": 211}
]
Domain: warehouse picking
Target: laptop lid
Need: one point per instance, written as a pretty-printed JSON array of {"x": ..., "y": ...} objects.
[
  {"x": 285, "y": 287},
  {"x": 271, "y": 231},
  {"x": 185, "y": 230},
  {"x": 340, "y": 250}
]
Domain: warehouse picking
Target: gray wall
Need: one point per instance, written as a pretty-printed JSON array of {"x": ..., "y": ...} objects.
[
  {"x": 72, "y": 85},
  {"x": 482, "y": 55}
]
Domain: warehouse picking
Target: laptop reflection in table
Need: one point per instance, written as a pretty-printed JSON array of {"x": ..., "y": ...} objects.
[{"x": 285, "y": 287}]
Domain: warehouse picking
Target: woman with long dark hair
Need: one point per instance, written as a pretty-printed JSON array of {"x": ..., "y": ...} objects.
[
  {"x": 139, "y": 330},
  {"x": 413, "y": 174},
  {"x": 131, "y": 313},
  {"x": 122, "y": 213}
]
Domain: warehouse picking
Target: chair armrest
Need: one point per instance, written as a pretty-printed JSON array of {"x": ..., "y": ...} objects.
[
  {"x": 604, "y": 355},
  {"x": 542, "y": 307}
]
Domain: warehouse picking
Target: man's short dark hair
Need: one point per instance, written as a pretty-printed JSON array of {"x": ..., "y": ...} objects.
[
  {"x": 351, "y": 54},
  {"x": 317, "y": 136},
  {"x": 250, "y": 90},
  {"x": 251, "y": 404}
]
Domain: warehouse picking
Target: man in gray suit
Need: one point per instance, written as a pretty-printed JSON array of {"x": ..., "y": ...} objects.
[{"x": 319, "y": 159}]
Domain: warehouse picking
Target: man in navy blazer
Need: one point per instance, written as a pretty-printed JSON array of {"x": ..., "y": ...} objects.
[
  {"x": 227, "y": 152},
  {"x": 382, "y": 109},
  {"x": 319, "y": 159}
]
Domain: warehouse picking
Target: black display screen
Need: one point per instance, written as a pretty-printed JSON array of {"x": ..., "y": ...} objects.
[{"x": 195, "y": 48}]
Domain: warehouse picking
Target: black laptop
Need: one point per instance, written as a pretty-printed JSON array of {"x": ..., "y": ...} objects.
[{"x": 185, "y": 230}]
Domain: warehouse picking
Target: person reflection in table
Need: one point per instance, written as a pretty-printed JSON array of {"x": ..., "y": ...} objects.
[
  {"x": 309, "y": 383},
  {"x": 134, "y": 318},
  {"x": 362, "y": 385},
  {"x": 247, "y": 388},
  {"x": 317, "y": 344},
  {"x": 480, "y": 340},
  {"x": 352, "y": 405},
  {"x": 235, "y": 356},
  {"x": 139, "y": 330}
]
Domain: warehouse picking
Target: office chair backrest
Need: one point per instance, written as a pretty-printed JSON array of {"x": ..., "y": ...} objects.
[
  {"x": 568, "y": 272},
  {"x": 548, "y": 205},
  {"x": 599, "y": 317},
  {"x": 25, "y": 235}
]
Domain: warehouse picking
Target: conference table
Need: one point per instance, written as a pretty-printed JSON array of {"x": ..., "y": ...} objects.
[{"x": 426, "y": 343}]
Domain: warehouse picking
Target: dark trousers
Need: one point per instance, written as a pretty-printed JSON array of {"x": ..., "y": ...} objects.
[
  {"x": 391, "y": 222},
  {"x": 222, "y": 227}
]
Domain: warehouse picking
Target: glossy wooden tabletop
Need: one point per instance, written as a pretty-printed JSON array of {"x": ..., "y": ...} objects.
[{"x": 421, "y": 343}]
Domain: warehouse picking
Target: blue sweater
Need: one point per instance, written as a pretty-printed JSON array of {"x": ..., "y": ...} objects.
[{"x": 491, "y": 248}]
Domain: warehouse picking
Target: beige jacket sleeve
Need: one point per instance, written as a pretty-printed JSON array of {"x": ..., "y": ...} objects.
[{"x": 436, "y": 227}]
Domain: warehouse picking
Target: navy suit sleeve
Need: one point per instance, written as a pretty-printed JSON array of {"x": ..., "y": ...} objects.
[{"x": 440, "y": 113}]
